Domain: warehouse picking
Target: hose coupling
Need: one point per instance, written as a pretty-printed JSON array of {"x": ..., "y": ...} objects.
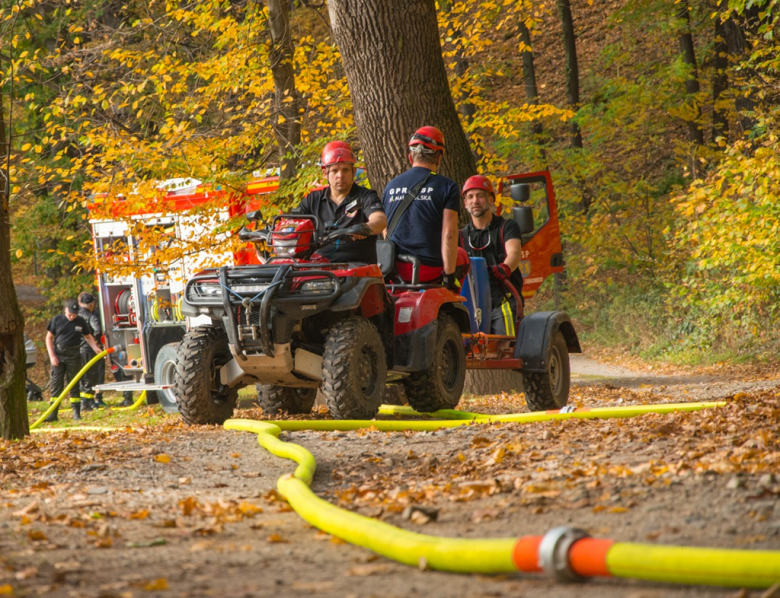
[
  {"x": 554, "y": 553},
  {"x": 568, "y": 409}
]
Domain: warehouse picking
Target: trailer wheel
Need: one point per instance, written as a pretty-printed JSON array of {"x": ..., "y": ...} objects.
[
  {"x": 202, "y": 398},
  {"x": 354, "y": 370},
  {"x": 276, "y": 399},
  {"x": 164, "y": 373},
  {"x": 441, "y": 385},
  {"x": 549, "y": 390}
]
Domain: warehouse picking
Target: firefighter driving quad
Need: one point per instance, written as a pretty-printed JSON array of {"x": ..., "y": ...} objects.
[{"x": 297, "y": 323}]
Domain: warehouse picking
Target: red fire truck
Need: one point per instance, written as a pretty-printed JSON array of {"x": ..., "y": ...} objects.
[{"x": 141, "y": 314}]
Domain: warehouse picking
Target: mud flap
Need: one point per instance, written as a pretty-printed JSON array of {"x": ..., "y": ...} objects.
[
  {"x": 414, "y": 350},
  {"x": 536, "y": 331}
]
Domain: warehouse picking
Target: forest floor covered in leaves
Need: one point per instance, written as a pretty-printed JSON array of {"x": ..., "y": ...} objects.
[{"x": 163, "y": 509}]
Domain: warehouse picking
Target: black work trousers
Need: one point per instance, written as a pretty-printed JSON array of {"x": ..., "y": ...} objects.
[
  {"x": 93, "y": 376},
  {"x": 68, "y": 368}
]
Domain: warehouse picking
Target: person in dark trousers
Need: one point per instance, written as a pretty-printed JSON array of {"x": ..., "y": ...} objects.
[
  {"x": 344, "y": 203},
  {"x": 428, "y": 229},
  {"x": 497, "y": 240},
  {"x": 63, "y": 338},
  {"x": 90, "y": 399}
]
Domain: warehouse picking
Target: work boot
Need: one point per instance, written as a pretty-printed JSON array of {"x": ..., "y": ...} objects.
[
  {"x": 128, "y": 400},
  {"x": 76, "y": 411},
  {"x": 99, "y": 403},
  {"x": 86, "y": 405},
  {"x": 53, "y": 416}
]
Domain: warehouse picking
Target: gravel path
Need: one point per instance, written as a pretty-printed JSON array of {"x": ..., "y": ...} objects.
[{"x": 192, "y": 511}]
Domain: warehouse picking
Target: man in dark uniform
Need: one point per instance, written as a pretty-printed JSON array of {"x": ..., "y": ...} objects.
[
  {"x": 96, "y": 374},
  {"x": 497, "y": 240},
  {"x": 428, "y": 229},
  {"x": 344, "y": 204},
  {"x": 63, "y": 337}
]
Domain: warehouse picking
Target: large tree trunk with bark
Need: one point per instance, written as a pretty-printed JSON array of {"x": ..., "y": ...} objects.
[
  {"x": 13, "y": 406},
  {"x": 692, "y": 81},
  {"x": 287, "y": 126},
  {"x": 492, "y": 382},
  {"x": 395, "y": 71}
]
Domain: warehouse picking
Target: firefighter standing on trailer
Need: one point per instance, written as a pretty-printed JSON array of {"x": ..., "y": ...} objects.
[
  {"x": 63, "y": 338},
  {"x": 428, "y": 228},
  {"x": 498, "y": 240},
  {"x": 344, "y": 203},
  {"x": 89, "y": 398}
]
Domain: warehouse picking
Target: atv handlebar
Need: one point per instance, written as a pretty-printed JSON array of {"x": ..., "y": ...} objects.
[
  {"x": 254, "y": 236},
  {"x": 357, "y": 229}
]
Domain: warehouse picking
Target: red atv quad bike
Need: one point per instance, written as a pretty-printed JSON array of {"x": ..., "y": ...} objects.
[{"x": 298, "y": 323}]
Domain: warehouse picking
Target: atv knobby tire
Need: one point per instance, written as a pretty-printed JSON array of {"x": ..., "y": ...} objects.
[
  {"x": 549, "y": 390},
  {"x": 276, "y": 399},
  {"x": 201, "y": 397},
  {"x": 354, "y": 369},
  {"x": 441, "y": 385}
]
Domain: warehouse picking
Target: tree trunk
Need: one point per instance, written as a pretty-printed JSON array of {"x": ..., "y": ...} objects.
[
  {"x": 395, "y": 71},
  {"x": 529, "y": 75},
  {"x": 13, "y": 403},
  {"x": 492, "y": 382},
  {"x": 286, "y": 99},
  {"x": 720, "y": 81},
  {"x": 692, "y": 82},
  {"x": 737, "y": 47},
  {"x": 572, "y": 69}
]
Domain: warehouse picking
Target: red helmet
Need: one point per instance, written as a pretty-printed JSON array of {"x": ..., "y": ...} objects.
[
  {"x": 479, "y": 182},
  {"x": 337, "y": 151},
  {"x": 430, "y": 137}
]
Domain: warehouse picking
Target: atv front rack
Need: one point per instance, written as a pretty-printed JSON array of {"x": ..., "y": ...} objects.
[{"x": 242, "y": 326}]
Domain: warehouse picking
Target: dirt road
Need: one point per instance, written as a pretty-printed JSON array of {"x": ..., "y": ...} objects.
[{"x": 177, "y": 511}]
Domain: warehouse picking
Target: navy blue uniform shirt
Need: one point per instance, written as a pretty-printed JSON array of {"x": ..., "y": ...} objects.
[{"x": 418, "y": 233}]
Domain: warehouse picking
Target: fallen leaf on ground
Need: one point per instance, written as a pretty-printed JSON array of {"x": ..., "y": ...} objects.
[
  {"x": 366, "y": 570},
  {"x": 275, "y": 539},
  {"x": 157, "y": 585}
]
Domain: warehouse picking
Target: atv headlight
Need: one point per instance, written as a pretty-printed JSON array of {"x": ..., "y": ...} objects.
[
  {"x": 250, "y": 288},
  {"x": 205, "y": 290},
  {"x": 285, "y": 248},
  {"x": 319, "y": 286}
]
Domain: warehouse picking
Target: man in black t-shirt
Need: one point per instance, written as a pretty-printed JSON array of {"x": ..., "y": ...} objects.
[
  {"x": 498, "y": 241},
  {"x": 344, "y": 204},
  {"x": 95, "y": 375},
  {"x": 428, "y": 230},
  {"x": 63, "y": 337}
]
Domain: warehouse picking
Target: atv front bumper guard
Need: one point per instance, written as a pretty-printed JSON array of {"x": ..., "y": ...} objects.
[{"x": 272, "y": 285}]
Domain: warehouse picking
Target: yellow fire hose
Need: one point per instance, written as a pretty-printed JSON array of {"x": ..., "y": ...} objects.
[
  {"x": 466, "y": 418},
  {"x": 78, "y": 429},
  {"x": 71, "y": 384},
  {"x": 136, "y": 405},
  {"x": 564, "y": 553}
]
